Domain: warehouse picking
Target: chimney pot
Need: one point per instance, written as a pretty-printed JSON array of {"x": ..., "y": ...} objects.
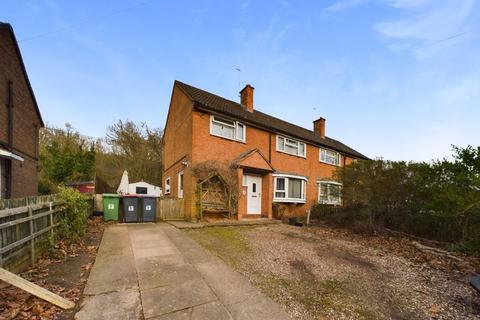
[
  {"x": 319, "y": 127},
  {"x": 246, "y": 97}
]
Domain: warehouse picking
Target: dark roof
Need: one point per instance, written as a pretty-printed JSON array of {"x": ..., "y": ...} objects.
[
  {"x": 7, "y": 26},
  {"x": 210, "y": 102}
]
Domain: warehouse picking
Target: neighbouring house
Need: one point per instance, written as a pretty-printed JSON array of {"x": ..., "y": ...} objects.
[
  {"x": 20, "y": 121},
  {"x": 281, "y": 169},
  {"x": 140, "y": 187}
]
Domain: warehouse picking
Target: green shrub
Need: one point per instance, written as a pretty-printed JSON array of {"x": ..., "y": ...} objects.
[
  {"x": 73, "y": 223},
  {"x": 438, "y": 200}
]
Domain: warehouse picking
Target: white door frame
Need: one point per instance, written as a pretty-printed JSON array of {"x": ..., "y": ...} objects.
[
  {"x": 254, "y": 194},
  {"x": 180, "y": 187}
]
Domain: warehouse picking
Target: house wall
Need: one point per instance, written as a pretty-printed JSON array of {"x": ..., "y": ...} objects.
[
  {"x": 177, "y": 148},
  {"x": 208, "y": 147},
  {"x": 26, "y": 122}
]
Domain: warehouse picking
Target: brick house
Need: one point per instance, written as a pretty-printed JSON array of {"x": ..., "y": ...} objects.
[
  {"x": 20, "y": 121},
  {"x": 281, "y": 168}
]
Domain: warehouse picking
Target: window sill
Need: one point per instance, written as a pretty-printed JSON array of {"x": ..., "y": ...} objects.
[
  {"x": 330, "y": 164},
  {"x": 226, "y": 138},
  {"x": 289, "y": 200},
  {"x": 333, "y": 203}
]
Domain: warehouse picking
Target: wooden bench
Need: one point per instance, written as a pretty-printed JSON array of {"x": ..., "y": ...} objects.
[{"x": 215, "y": 207}]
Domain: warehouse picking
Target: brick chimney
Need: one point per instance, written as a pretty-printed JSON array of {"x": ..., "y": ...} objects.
[
  {"x": 246, "y": 97},
  {"x": 319, "y": 127}
]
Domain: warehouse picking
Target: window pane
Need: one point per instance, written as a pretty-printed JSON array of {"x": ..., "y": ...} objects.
[
  {"x": 281, "y": 143},
  {"x": 323, "y": 192},
  {"x": 295, "y": 188},
  {"x": 254, "y": 187},
  {"x": 225, "y": 121},
  {"x": 281, "y": 184},
  {"x": 291, "y": 149},
  {"x": 223, "y": 130},
  {"x": 334, "y": 193},
  {"x": 279, "y": 194},
  {"x": 240, "y": 131},
  {"x": 322, "y": 155},
  {"x": 292, "y": 142},
  {"x": 302, "y": 149}
]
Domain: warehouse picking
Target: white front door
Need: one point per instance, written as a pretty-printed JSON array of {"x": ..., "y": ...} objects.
[{"x": 254, "y": 195}]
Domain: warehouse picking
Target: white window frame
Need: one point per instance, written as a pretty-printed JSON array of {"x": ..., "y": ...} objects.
[
  {"x": 296, "y": 144},
  {"x": 180, "y": 187},
  {"x": 336, "y": 202},
  {"x": 287, "y": 178},
  {"x": 235, "y": 127},
  {"x": 333, "y": 154},
  {"x": 168, "y": 185}
]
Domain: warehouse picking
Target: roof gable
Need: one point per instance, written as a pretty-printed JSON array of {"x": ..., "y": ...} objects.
[
  {"x": 253, "y": 159},
  {"x": 8, "y": 27},
  {"x": 210, "y": 102}
]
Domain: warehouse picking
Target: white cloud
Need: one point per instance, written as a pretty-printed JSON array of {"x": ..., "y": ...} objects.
[
  {"x": 426, "y": 26},
  {"x": 344, "y": 4},
  {"x": 408, "y": 4}
]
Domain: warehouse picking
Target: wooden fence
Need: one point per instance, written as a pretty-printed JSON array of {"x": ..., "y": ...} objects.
[
  {"x": 170, "y": 209},
  {"x": 24, "y": 227}
]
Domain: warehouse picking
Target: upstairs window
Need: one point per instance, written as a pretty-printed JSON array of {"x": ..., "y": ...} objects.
[
  {"x": 289, "y": 189},
  {"x": 227, "y": 128},
  {"x": 330, "y": 157},
  {"x": 329, "y": 192},
  {"x": 291, "y": 146}
]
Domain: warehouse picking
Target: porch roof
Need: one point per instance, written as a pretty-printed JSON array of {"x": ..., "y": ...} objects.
[{"x": 253, "y": 159}]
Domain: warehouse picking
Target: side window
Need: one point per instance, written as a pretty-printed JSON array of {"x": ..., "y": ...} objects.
[{"x": 167, "y": 185}]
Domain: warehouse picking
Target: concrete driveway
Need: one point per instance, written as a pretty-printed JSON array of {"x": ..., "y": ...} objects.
[{"x": 155, "y": 271}]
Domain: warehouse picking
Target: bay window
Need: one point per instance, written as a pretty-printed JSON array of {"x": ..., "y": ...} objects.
[
  {"x": 329, "y": 192},
  {"x": 227, "y": 128},
  {"x": 291, "y": 146},
  {"x": 289, "y": 188}
]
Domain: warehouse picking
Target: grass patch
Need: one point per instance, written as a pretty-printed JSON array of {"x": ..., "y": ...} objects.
[{"x": 228, "y": 243}]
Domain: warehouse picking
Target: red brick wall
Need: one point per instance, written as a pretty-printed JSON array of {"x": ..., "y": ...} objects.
[
  {"x": 208, "y": 147},
  {"x": 177, "y": 147},
  {"x": 25, "y": 120}
]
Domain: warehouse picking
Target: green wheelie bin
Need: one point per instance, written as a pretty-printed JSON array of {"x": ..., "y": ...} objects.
[{"x": 110, "y": 206}]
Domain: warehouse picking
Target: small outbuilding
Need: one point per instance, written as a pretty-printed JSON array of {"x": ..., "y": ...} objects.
[{"x": 140, "y": 187}]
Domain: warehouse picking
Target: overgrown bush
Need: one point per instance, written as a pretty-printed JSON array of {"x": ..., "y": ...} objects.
[
  {"x": 73, "y": 223},
  {"x": 438, "y": 200}
]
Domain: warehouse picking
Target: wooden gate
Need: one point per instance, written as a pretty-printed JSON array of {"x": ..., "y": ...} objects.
[{"x": 170, "y": 209}]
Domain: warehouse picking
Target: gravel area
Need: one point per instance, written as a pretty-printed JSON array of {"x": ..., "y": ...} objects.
[{"x": 323, "y": 273}]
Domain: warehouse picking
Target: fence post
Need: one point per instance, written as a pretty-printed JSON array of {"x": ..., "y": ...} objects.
[
  {"x": 32, "y": 231},
  {"x": 52, "y": 234}
]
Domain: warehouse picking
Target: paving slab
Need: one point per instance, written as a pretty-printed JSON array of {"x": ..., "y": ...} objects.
[
  {"x": 164, "y": 300},
  {"x": 212, "y": 311},
  {"x": 155, "y": 271},
  {"x": 116, "y": 305},
  {"x": 229, "y": 286}
]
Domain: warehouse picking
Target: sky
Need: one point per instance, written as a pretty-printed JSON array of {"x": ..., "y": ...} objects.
[{"x": 398, "y": 79}]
